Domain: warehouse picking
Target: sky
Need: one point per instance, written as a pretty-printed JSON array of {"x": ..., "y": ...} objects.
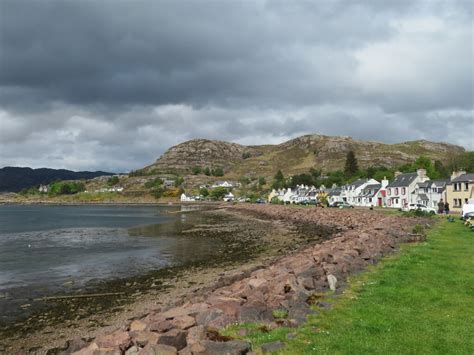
[{"x": 110, "y": 85}]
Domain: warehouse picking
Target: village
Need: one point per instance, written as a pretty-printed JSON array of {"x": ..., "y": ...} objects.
[{"x": 407, "y": 191}]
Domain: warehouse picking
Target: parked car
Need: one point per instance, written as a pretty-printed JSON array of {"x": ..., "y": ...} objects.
[
  {"x": 345, "y": 205},
  {"x": 335, "y": 204},
  {"x": 419, "y": 206},
  {"x": 467, "y": 208}
]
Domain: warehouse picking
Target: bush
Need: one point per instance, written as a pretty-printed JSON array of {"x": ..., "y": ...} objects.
[
  {"x": 218, "y": 193},
  {"x": 246, "y": 155},
  {"x": 154, "y": 184},
  {"x": 114, "y": 180},
  {"x": 204, "y": 192},
  {"x": 196, "y": 170},
  {"x": 67, "y": 188},
  {"x": 218, "y": 172}
]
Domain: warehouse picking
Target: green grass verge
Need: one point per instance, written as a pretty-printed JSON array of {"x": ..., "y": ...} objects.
[{"x": 418, "y": 301}]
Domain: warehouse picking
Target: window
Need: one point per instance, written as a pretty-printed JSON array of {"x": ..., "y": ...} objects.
[
  {"x": 457, "y": 186},
  {"x": 396, "y": 191},
  {"x": 465, "y": 200},
  {"x": 404, "y": 191},
  {"x": 457, "y": 202},
  {"x": 466, "y": 186}
]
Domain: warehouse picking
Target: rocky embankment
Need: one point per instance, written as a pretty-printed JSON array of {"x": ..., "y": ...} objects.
[{"x": 291, "y": 284}]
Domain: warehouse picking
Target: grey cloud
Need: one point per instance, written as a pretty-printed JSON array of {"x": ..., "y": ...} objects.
[{"x": 107, "y": 84}]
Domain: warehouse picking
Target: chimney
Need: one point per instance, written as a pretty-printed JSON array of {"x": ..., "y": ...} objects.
[
  {"x": 421, "y": 173},
  {"x": 384, "y": 182},
  {"x": 456, "y": 174},
  {"x": 397, "y": 173}
]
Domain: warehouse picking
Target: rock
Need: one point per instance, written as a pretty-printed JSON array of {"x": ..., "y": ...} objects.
[
  {"x": 332, "y": 280},
  {"x": 257, "y": 283},
  {"x": 174, "y": 337},
  {"x": 132, "y": 351},
  {"x": 88, "y": 350},
  {"x": 271, "y": 347},
  {"x": 118, "y": 339},
  {"x": 160, "y": 326},
  {"x": 234, "y": 347},
  {"x": 158, "y": 349},
  {"x": 146, "y": 337},
  {"x": 204, "y": 318},
  {"x": 74, "y": 345},
  {"x": 195, "y": 334},
  {"x": 183, "y": 322},
  {"x": 175, "y": 312},
  {"x": 138, "y": 325}
]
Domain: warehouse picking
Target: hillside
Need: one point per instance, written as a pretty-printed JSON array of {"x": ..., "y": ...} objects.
[
  {"x": 14, "y": 179},
  {"x": 295, "y": 156}
]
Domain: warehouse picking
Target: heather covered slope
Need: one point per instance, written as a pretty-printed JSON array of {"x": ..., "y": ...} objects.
[{"x": 295, "y": 156}]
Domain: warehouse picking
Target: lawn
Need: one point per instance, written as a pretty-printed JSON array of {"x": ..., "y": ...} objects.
[{"x": 418, "y": 301}]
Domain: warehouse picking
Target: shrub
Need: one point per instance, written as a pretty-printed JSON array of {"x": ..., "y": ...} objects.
[
  {"x": 114, "y": 180},
  {"x": 218, "y": 193}
]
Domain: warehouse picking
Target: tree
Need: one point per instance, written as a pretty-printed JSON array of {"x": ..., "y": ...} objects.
[
  {"x": 196, "y": 170},
  {"x": 301, "y": 179},
  {"x": 218, "y": 172},
  {"x": 245, "y": 155},
  {"x": 203, "y": 192},
  {"x": 351, "y": 166},
  {"x": 441, "y": 169},
  {"x": 261, "y": 181},
  {"x": 178, "y": 181},
  {"x": 207, "y": 171},
  {"x": 218, "y": 193},
  {"x": 278, "y": 180},
  {"x": 114, "y": 180}
]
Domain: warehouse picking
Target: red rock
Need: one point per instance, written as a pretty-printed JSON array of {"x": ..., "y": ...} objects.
[
  {"x": 87, "y": 350},
  {"x": 160, "y": 326},
  {"x": 174, "y": 337},
  {"x": 145, "y": 337},
  {"x": 195, "y": 334},
  {"x": 158, "y": 349},
  {"x": 138, "y": 325},
  {"x": 183, "y": 322},
  {"x": 117, "y": 339},
  {"x": 175, "y": 312}
]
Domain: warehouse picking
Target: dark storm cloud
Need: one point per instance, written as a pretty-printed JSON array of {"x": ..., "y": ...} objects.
[{"x": 85, "y": 82}]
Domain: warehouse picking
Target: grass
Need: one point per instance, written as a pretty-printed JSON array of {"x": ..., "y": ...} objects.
[{"x": 419, "y": 301}]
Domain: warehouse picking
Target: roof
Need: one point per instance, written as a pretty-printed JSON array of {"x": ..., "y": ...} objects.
[
  {"x": 423, "y": 197},
  {"x": 424, "y": 184},
  {"x": 373, "y": 186},
  {"x": 358, "y": 183},
  {"x": 439, "y": 183},
  {"x": 464, "y": 177},
  {"x": 403, "y": 180}
]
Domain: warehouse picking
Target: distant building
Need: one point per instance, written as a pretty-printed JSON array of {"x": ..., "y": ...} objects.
[
  {"x": 43, "y": 188},
  {"x": 185, "y": 198}
]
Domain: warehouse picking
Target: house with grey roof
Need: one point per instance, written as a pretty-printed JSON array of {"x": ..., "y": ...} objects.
[
  {"x": 400, "y": 192},
  {"x": 429, "y": 193},
  {"x": 459, "y": 190},
  {"x": 352, "y": 193}
]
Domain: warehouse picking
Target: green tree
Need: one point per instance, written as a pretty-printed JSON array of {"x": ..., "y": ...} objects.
[
  {"x": 113, "y": 180},
  {"x": 197, "y": 170},
  {"x": 218, "y": 193},
  {"x": 351, "y": 166},
  {"x": 218, "y": 172},
  {"x": 245, "y": 155},
  {"x": 203, "y": 192},
  {"x": 178, "y": 181},
  {"x": 440, "y": 169},
  {"x": 207, "y": 171},
  {"x": 261, "y": 181},
  {"x": 278, "y": 180}
]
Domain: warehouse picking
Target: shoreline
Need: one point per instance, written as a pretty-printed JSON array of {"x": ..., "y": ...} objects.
[
  {"x": 170, "y": 284},
  {"x": 297, "y": 228}
]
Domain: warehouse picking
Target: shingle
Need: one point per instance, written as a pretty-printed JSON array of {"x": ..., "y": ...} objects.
[{"x": 464, "y": 177}]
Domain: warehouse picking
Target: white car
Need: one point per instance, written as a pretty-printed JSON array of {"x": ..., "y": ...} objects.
[
  {"x": 419, "y": 206},
  {"x": 467, "y": 207}
]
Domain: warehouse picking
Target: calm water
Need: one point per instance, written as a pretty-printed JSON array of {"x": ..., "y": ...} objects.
[{"x": 52, "y": 249}]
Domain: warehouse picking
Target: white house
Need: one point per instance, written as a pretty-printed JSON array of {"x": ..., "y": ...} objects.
[
  {"x": 352, "y": 193},
  {"x": 43, "y": 188},
  {"x": 373, "y": 195},
  {"x": 334, "y": 195},
  {"x": 400, "y": 192},
  {"x": 429, "y": 193},
  {"x": 229, "y": 197},
  {"x": 185, "y": 198},
  {"x": 226, "y": 184}
]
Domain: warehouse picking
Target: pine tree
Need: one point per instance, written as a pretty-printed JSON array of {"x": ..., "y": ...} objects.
[{"x": 351, "y": 167}]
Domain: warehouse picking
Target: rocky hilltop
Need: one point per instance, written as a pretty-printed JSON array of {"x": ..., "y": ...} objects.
[{"x": 295, "y": 156}]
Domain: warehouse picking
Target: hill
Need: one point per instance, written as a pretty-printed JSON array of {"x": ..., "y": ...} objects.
[
  {"x": 14, "y": 179},
  {"x": 295, "y": 156}
]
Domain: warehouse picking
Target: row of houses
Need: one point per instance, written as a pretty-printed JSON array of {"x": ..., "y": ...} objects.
[{"x": 405, "y": 189}]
